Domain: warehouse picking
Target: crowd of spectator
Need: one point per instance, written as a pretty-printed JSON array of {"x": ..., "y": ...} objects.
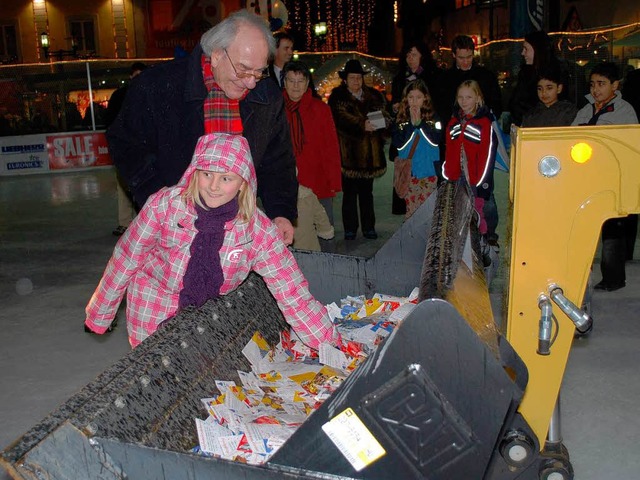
[{"x": 436, "y": 124}]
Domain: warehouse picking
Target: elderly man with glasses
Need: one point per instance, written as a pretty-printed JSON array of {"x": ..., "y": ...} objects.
[{"x": 217, "y": 88}]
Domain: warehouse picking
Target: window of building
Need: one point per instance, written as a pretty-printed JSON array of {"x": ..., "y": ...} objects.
[
  {"x": 491, "y": 3},
  {"x": 8, "y": 42},
  {"x": 464, "y": 3},
  {"x": 480, "y": 3},
  {"x": 83, "y": 33}
]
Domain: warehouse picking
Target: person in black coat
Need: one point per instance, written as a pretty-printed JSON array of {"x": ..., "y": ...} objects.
[
  {"x": 537, "y": 55},
  {"x": 170, "y": 106},
  {"x": 631, "y": 93},
  {"x": 631, "y": 89},
  {"x": 117, "y": 97},
  {"x": 126, "y": 207},
  {"x": 284, "y": 53}
]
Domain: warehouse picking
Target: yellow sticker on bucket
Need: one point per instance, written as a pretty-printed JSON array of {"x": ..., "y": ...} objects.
[{"x": 353, "y": 439}]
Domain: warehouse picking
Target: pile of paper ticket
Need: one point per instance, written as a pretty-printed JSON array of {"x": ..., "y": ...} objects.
[{"x": 250, "y": 421}]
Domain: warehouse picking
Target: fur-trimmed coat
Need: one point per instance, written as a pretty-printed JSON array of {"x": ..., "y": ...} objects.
[{"x": 362, "y": 152}]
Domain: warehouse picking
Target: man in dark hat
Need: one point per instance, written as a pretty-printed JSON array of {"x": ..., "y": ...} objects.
[{"x": 361, "y": 147}]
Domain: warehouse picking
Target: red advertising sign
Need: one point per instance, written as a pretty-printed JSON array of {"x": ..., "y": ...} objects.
[
  {"x": 77, "y": 150},
  {"x": 176, "y": 24}
]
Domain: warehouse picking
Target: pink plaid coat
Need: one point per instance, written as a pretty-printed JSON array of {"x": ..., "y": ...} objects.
[{"x": 150, "y": 259}]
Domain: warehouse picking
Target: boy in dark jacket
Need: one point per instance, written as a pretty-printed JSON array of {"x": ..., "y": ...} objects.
[{"x": 550, "y": 110}]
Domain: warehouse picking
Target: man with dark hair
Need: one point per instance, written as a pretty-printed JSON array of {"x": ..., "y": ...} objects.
[
  {"x": 464, "y": 69},
  {"x": 284, "y": 53},
  {"x": 217, "y": 88}
]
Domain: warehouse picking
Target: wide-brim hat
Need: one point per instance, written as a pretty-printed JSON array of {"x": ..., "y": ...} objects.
[{"x": 352, "y": 66}]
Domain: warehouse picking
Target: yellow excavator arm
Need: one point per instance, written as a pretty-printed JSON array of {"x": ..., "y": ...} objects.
[{"x": 564, "y": 183}]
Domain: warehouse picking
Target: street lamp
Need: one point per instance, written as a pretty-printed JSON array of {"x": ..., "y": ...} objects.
[
  {"x": 320, "y": 29},
  {"x": 60, "y": 54}
]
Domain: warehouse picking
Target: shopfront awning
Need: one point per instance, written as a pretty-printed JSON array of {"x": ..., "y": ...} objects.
[{"x": 630, "y": 40}]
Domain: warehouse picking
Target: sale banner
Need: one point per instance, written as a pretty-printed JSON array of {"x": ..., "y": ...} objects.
[{"x": 77, "y": 150}]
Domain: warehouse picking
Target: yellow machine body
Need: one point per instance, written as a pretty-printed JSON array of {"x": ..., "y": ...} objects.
[{"x": 556, "y": 227}]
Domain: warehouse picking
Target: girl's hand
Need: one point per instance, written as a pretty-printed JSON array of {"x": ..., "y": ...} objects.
[{"x": 415, "y": 114}]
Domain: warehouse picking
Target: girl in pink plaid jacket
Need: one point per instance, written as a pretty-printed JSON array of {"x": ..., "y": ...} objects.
[{"x": 198, "y": 240}]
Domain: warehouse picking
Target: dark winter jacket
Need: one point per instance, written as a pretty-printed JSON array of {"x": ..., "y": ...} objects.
[
  {"x": 525, "y": 93},
  {"x": 362, "y": 152},
  {"x": 115, "y": 104},
  {"x": 402, "y": 79},
  {"x": 153, "y": 139},
  {"x": 631, "y": 90},
  {"x": 560, "y": 114}
]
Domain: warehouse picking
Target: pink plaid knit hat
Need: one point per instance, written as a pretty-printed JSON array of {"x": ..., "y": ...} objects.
[{"x": 221, "y": 152}]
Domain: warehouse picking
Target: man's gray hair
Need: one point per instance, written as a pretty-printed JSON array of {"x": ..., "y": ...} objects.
[{"x": 224, "y": 33}]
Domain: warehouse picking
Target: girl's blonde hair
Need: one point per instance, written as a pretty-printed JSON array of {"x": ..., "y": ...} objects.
[
  {"x": 475, "y": 88},
  {"x": 246, "y": 198},
  {"x": 426, "y": 111}
]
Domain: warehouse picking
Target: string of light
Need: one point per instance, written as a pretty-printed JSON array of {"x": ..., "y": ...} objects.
[
  {"x": 579, "y": 33},
  {"x": 348, "y": 23}
]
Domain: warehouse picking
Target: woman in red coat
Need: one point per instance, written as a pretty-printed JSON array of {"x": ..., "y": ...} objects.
[{"x": 316, "y": 148}]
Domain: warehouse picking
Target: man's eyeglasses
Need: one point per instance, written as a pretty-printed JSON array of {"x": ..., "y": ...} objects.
[{"x": 248, "y": 73}]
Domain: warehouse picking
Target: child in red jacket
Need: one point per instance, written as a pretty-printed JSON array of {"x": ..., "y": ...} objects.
[{"x": 471, "y": 149}]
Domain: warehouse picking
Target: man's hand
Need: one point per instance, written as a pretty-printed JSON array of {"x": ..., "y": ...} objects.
[{"x": 285, "y": 229}]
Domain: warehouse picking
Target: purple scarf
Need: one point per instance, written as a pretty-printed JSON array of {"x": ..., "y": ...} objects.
[{"x": 203, "y": 277}]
